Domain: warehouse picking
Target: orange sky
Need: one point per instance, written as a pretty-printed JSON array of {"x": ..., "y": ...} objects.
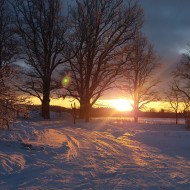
[{"x": 119, "y": 103}]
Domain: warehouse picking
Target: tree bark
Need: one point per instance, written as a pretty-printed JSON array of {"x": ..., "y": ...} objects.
[
  {"x": 85, "y": 108},
  {"x": 136, "y": 115},
  {"x": 87, "y": 111},
  {"x": 136, "y": 105},
  {"x": 176, "y": 118},
  {"x": 136, "y": 119},
  {"x": 82, "y": 109},
  {"x": 46, "y": 100}
]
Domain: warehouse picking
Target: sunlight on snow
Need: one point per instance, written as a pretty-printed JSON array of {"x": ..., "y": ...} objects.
[
  {"x": 96, "y": 155},
  {"x": 50, "y": 137},
  {"x": 11, "y": 162}
]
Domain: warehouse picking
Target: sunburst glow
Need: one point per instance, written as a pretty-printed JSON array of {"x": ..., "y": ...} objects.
[{"x": 121, "y": 104}]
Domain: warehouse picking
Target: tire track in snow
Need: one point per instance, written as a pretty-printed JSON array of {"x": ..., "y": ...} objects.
[
  {"x": 120, "y": 163},
  {"x": 97, "y": 160}
]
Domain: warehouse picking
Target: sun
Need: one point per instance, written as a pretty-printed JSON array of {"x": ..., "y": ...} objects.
[{"x": 121, "y": 104}]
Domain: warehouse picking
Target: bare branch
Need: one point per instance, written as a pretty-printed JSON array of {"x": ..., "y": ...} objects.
[
  {"x": 138, "y": 81},
  {"x": 101, "y": 29}
]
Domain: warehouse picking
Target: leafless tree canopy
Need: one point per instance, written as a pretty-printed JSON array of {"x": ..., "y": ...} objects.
[
  {"x": 41, "y": 28},
  {"x": 181, "y": 81},
  {"x": 8, "y": 43},
  {"x": 99, "y": 31},
  {"x": 178, "y": 100},
  {"x": 8, "y": 54},
  {"x": 138, "y": 73},
  {"x": 182, "y": 75},
  {"x": 173, "y": 96}
]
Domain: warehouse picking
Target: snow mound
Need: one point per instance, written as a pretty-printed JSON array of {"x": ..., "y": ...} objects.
[
  {"x": 35, "y": 116},
  {"x": 10, "y": 162}
]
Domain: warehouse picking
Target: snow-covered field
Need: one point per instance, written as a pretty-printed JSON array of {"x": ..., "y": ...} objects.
[{"x": 104, "y": 155}]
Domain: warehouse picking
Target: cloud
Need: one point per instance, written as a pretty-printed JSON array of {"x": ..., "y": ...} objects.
[{"x": 167, "y": 25}]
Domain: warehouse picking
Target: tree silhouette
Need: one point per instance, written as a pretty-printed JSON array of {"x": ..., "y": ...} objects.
[
  {"x": 174, "y": 97},
  {"x": 177, "y": 99},
  {"x": 8, "y": 42},
  {"x": 101, "y": 29},
  {"x": 182, "y": 74},
  {"x": 8, "y": 55},
  {"x": 41, "y": 29},
  {"x": 138, "y": 81}
]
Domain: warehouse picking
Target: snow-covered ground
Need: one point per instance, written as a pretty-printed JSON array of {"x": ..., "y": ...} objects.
[{"x": 103, "y": 154}]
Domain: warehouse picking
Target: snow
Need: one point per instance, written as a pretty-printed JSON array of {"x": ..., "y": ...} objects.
[{"x": 103, "y": 154}]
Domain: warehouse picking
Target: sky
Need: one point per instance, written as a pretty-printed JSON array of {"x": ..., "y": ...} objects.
[{"x": 167, "y": 26}]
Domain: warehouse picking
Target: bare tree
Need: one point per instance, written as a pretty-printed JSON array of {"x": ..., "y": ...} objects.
[
  {"x": 101, "y": 28},
  {"x": 173, "y": 96},
  {"x": 182, "y": 79},
  {"x": 8, "y": 42},
  {"x": 182, "y": 74},
  {"x": 8, "y": 54},
  {"x": 177, "y": 99},
  {"x": 41, "y": 28},
  {"x": 138, "y": 81},
  {"x": 7, "y": 111}
]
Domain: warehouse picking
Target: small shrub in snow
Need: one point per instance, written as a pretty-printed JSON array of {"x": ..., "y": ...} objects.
[
  {"x": 187, "y": 120},
  {"x": 11, "y": 105}
]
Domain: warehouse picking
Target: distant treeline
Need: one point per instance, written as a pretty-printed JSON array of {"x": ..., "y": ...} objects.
[{"x": 111, "y": 112}]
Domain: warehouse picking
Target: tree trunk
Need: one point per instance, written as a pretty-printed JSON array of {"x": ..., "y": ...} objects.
[
  {"x": 45, "y": 107},
  {"x": 82, "y": 109},
  {"x": 136, "y": 111},
  {"x": 46, "y": 100},
  {"x": 136, "y": 119},
  {"x": 176, "y": 118},
  {"x": 136, "y": 115},
  {"x": 87, "y": 111},
  {"x": 136, "y": 106}
]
